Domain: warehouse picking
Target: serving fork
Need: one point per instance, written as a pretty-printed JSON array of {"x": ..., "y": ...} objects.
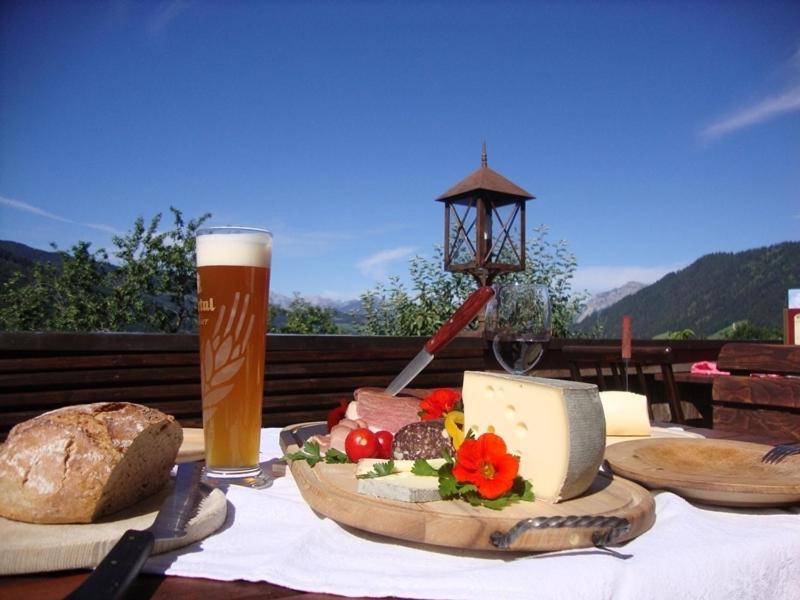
[{"x": 781, "y": 451}]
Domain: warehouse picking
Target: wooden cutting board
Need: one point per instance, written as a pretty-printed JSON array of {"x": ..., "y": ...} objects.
[
  {"x": 193, "y": 447},
  {"x": 718, "y": 472},
  {"x": 331, "y": 490},
  {"x": 32, "y": 548}
]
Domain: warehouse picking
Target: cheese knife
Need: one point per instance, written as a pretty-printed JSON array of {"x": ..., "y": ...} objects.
[
  {"x": 117, "y": 571},
  {"x": 451, "y": 328}
]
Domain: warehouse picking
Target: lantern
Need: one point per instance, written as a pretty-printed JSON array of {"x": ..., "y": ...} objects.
[{"x": 484, "y": 224}]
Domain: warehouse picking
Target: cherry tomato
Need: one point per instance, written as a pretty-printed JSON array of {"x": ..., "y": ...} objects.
[
  {"x": 360, "y": 443},
  {"x": 385, "y": 439}
]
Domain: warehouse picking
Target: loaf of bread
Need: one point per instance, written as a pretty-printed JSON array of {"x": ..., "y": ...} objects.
[{"x": 77, "y": 464}]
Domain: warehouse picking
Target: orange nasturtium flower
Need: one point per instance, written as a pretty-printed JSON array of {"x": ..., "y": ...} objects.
[
  {"x": 485, "y": 463},
  {"x": 438, "y": 403}
]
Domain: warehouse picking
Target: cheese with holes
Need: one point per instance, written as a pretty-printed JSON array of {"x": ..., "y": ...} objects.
[
  {"x": 625, "y": 413},
  {"x": 556, "y": 427},
  {"x": 402, "y": 485}
]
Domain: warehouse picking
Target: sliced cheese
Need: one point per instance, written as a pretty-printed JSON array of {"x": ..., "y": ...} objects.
[
  {"x": 403, "y": 487},
  {"x": 556, "y": 427},
  {"x": 626, "y": 413},
  {"x": 365, "y": 465}
]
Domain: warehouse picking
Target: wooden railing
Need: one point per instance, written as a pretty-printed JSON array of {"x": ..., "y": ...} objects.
[{"x": 305, "y": 375}]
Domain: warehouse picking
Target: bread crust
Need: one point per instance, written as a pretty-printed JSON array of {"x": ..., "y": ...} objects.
[{"x": 79, "y": 463}]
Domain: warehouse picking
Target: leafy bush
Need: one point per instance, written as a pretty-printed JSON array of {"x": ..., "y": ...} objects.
[
  {"x": 393, "y": 309},
  {"x": 151, "y": 289}
]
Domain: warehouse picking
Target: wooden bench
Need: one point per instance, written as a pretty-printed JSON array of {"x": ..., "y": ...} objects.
[
  {"x": 305, "y": 375},
  {"x": 750, "y": 399}
]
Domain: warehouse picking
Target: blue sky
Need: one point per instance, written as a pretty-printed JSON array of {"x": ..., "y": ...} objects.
[{"x": 651, "y": 132}]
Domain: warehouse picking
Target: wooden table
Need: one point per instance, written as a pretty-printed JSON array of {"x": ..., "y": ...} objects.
[{"x": 45, "y": 586}]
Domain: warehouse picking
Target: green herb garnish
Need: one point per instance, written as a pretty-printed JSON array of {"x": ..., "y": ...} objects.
[
  {"x": 381, "y": 469},
  {"x": 311, "y": 453}
]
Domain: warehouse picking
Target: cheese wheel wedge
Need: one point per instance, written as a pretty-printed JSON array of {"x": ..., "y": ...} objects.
[
  {"x": 626, "y": 413},
  {"x": 556, "y": 427}
]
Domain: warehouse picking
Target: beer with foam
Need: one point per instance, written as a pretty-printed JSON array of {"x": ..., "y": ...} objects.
[{"x": 233, "y": 269}]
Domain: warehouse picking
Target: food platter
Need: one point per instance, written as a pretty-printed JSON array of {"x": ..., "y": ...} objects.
[
  {"x": 331, "y": 489},
  {"x": 31, "y": 548},
  {"x": 717, "y": 472}
]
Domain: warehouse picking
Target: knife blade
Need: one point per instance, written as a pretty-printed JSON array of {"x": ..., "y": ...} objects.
[
  {"x": 117, "y": 571},
  {"x": 451, "y": 328}
]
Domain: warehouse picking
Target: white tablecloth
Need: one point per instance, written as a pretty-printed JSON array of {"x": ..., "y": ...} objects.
[{"x": 691, "y": 552}]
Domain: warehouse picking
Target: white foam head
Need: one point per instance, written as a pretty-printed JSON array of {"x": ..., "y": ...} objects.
[{"x": 234, "y": 246}]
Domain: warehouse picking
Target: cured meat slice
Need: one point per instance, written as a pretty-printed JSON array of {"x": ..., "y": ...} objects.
[{"x": 386, "y": 412}]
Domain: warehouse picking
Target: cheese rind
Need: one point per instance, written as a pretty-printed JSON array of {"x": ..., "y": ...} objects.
[
  {"x": 625, "y": 413},
  {"x": 403, "y": 487},
  {"x": 556, "y": 427}
]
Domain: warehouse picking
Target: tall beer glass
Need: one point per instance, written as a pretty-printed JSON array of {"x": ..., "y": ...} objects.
[{"x": 233, "y": 266}]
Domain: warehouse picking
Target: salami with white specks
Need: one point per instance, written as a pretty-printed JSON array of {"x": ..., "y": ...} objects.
[{"x": 424, "y": 439}]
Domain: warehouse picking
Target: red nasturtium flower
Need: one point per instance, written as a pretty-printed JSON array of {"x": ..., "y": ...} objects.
[
  {"x": 438, "y": 403},
  {"x": 337, "y": 414},
  {"x": 486, "y": 464}
]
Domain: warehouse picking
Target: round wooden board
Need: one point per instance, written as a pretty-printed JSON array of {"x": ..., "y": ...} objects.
[
  {"x": 193, "y": 447},
  {"x": 655, "y": 432},
  {"x": 331, "y": 490},
  {"x": 718, "y": 472},
  {"x": 33, "y": 548}
]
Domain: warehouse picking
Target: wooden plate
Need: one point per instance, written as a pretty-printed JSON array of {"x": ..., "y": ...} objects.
[
  {"x": 719, "y": 472},
  {"x": 32, "y": 548},
  {"x": 193, "y": 447},
  {"x": 655, "y": 432},
  {"x": 331, "y": 490}
]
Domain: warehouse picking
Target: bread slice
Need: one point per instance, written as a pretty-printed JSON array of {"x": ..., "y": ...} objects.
[{"x": 79, "y": 463}]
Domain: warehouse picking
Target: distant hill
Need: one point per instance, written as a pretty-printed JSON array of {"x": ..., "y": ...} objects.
[
  {"x": 19, "y": 257},
  {"x": 603, "y": 300},
  {"x": 710, "y": 294}
]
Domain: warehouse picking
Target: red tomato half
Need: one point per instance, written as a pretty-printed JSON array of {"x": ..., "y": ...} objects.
[
  {"x": 360, "y": 443},
  {"x": 385, "y": 439}
]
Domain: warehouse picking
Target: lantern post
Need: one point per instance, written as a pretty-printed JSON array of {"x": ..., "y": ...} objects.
[{"x": 484, "y": 224}]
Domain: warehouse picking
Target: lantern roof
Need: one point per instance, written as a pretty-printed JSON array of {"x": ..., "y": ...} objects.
[{"x": 486, "y": 179}]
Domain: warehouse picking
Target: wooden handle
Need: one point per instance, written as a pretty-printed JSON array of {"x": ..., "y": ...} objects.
[
  {"x": 626, "y": 337},
  {"x": 460, "y": 319}
]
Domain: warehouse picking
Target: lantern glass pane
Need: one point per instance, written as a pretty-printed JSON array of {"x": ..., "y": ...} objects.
[
  {"x": 506, "y": 242},
  {"x": 462, "y": 229}
]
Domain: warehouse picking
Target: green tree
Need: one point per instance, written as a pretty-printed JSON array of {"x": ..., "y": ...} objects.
[
  {"x": 151, "y": 289},
  {"x": 303, "y": 317},
  {"x": 394, "y": 309},
  {"x": 155, "y": 287},
  {"x": 745, "y": 330}
]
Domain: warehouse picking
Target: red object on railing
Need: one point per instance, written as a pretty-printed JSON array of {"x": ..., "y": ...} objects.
[{"x": 626, "y": 337}]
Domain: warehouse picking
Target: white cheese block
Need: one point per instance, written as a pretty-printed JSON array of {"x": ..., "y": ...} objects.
[
  {"x": 556, "y": 427},
  {"x": 365, "y": 465},
  {"x": 402, "y": 485},
  {"x": 626, "y": 413}
]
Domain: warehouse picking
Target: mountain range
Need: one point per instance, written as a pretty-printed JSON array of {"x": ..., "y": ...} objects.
[
  {"x": 711, "y": 294},
  {"x": 603, "y": 300}
]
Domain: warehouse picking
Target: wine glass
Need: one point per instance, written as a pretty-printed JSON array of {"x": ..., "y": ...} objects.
[{"x": 518, "y": 324}]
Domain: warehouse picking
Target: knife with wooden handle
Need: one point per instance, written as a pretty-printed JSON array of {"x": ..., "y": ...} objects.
[
  {"x": 451, "y": 328},
  {"x": 117, "y": 571}
]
